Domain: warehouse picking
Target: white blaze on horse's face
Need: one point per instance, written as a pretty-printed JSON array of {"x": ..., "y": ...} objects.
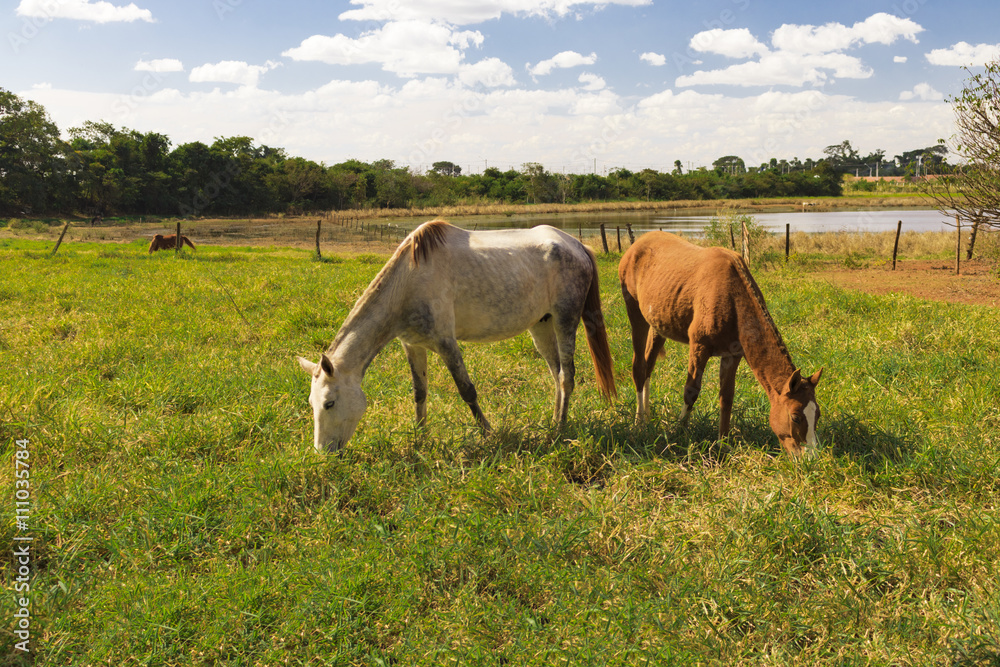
[
  {"x": 795, "y": 413},
  {"x": 337, "y": 402}
]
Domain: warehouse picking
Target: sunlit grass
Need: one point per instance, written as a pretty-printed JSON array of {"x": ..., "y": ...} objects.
[{"x": 181, "y": 517}]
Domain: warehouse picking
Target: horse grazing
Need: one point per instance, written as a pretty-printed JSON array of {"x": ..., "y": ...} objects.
[
  {"x": 446, "y": 284},
  {"x": 161, "y": 242},
  {"x": 706, "y": 297}
]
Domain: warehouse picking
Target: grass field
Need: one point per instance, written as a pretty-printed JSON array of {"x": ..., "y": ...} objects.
[{"x": 180, "y": 517}]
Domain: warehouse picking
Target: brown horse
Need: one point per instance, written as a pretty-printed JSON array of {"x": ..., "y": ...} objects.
[
  {"x": 161, "y": 242},
  {"x": 706, "y": 297}
]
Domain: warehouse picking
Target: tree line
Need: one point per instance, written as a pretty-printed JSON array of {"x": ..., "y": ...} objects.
[{"x": 103, "y": 170}]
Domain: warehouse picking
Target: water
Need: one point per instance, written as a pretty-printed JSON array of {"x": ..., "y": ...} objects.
[{"x": 693, "y": 221}]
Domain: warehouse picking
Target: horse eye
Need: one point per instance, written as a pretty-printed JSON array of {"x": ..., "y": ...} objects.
[
  {"x": 328, "y": 405},
  {"x": 796, "y": 419}
]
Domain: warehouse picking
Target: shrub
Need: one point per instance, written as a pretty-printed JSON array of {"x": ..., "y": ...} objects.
[{"x": 728, "y": 229}]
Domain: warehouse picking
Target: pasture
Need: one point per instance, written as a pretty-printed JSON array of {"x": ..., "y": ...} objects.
[{"x": 180, "y": 516}]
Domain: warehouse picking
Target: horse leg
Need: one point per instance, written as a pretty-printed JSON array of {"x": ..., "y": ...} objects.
[
  {"x": 654, "y": 347},
  {"x": 417, "y": 356},
  {"x": 698, "y": 356},
  {"x": 640, "y": 375},
  {"x": 727, "y": 387},
  {"x": 565, "y": 330},
  {"x": 452, "y": 356},
  {"x": 543, "y": 334}
]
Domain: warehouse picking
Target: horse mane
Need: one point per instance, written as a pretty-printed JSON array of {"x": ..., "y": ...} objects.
[
  {"x": 757, "y": 298},
  {"x": 390, "y": 279},
  {"x": 426, "y": 238}
]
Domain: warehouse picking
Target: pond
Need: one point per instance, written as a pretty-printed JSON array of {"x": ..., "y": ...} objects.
[{"x": 692, "y": 221}]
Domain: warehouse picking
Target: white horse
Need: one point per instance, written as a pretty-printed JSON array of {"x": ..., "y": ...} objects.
[{"x": 445, "y": 284}]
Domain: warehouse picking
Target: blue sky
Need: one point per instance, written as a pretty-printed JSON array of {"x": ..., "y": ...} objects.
[{"x": 574, "y": 85}]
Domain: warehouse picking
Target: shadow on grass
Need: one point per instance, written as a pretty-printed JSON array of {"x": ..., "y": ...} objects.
[
  {"x": 586, "y": 448},
  {"x": 867, "y": 444}
]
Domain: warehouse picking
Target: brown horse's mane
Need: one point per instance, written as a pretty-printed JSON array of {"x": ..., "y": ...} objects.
[
  {"x": 757, "y": 297},
  {"x": 426, "y": 238}
]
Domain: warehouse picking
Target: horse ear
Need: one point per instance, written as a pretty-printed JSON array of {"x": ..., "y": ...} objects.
[
  {"x": 793, "y": 383},
  {"x": 307, "y": 366},
  {"x": 814, "y": 380},
  {"x": 326, "y": 364}
]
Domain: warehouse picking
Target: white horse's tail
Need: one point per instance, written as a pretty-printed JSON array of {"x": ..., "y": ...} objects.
[{"x": 597, "y": 336}]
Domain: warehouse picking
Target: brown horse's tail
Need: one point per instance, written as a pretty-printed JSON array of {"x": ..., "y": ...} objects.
[
  {"x": 597, "y": 336},
  {"x": 188, "y": 241}
]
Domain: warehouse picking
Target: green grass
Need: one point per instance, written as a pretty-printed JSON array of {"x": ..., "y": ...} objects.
[{"x": 181, "y": 517}]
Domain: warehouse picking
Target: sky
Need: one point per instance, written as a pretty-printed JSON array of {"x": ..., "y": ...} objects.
[{"x": 577, "y": 86}]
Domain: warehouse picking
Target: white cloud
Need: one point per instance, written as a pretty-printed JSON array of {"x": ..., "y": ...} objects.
[
  {"x": 230, "y": 71},
  {"x": 407, "y": 48},
  {"x": 782, "y": 68},
  {"x": 470, "y": 12},
  {"x": 921, "y": 91},
  {"x": 900, "y": 59},
  {"x": 565, "y": 59},
  {"x": 83, "y": 10},
  {"x": 879, "y": 28},
  {"x": 799, "y": 54},
  {"x": 592, "y": 81},
  {"x": 159, "y": 65},
  {"x": 737, "y": 43},
  {"x": 965, "y": 54},
  {"x": 654, "y": 59},
  {"x": 491, "y": 72}
]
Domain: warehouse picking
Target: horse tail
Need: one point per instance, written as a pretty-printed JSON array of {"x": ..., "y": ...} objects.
[
  {"x": 188, "y": 241},
  {"x": 597, "y": 336}
]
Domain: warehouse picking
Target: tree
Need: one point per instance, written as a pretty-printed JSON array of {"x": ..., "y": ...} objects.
[
  {"x": 731, "y": 165},
  {"x": 302, "y": 183},
  {"x": 542, "y": 186},
  {"x": 31, "y": 160},
  {"x": 842, "y": 156},
  {"x": 446, "y": 168},
  {"x": 973, "y": 192}
]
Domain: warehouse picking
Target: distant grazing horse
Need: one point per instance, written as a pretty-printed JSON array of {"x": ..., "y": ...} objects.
[
  {"x": 445, "y": 284},
  {"x": 161, "y": 242},
  {"x": 706, "y": 297}
]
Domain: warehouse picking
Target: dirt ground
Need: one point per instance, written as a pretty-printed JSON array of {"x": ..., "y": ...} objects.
[{"x": 978, "y": 283}]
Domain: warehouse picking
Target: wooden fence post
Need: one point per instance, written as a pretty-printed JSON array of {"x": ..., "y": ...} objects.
[
  {"x": 177, "y": 247},
  {"x": 788, "y": 231},
  {"x": 732, "y": 238},
  {"x": 958, "y": 245},
  {"x": 604, "y": 239},
  {"x": 631, "y": 236},
  {"x": 59, "y": 242},
  {"x": 619, "y": 232},
  {"x": 895, "y": 247},
  {"x": 746, "y": 243},
  {"x": 319, "y": 224}
]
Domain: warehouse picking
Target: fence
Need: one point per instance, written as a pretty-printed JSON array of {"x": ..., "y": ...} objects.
[{"x": 338, "y": 229}]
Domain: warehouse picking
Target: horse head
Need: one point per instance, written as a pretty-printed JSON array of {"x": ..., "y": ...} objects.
[
  {"x": 795, "y": 413},
  {"x": 337, "y": 402}
]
